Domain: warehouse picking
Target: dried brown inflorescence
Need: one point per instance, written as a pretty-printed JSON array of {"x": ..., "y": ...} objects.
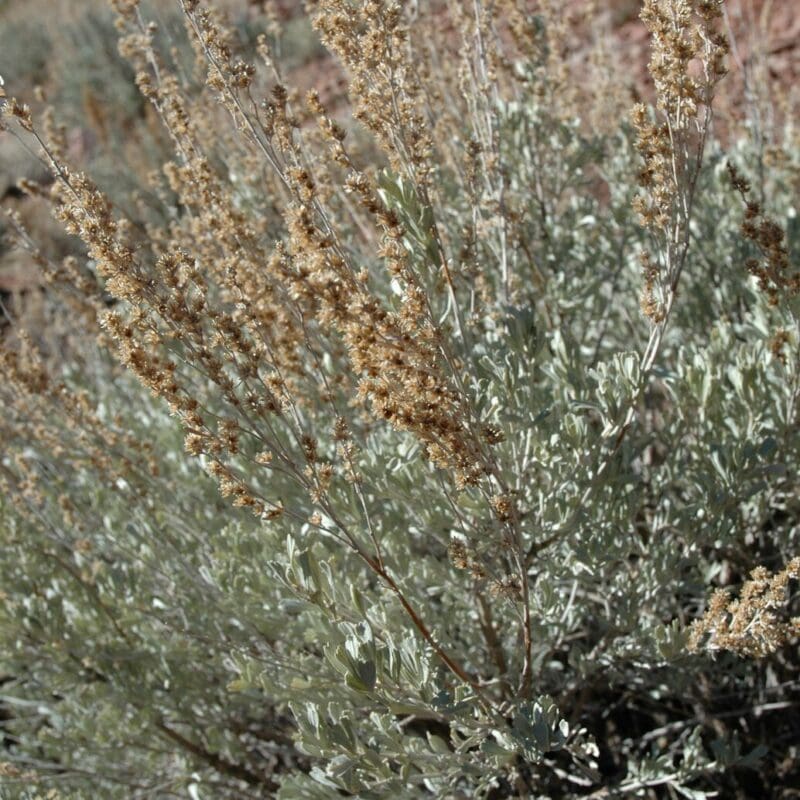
[
  {"x": 773, "y": 271},
  {"x": 755, "y": 624},
  {"x": 42, "y": 415},
  {"x": 687, "y": 62}
]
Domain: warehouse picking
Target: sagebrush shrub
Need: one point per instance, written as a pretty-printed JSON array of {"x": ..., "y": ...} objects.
[{"x": 405, "y": 439}]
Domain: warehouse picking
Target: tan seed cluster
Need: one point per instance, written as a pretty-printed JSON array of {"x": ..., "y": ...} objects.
[
  {"x": 753, "y": 624},
  {"x": 686, "y": 64},
  {"x": 774, "y": 272}
]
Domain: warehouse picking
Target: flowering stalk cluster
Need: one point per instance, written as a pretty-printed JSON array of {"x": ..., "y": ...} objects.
[
  {"x": 753, "y": 624},
  {"x": 774, "y": 271},
  {"x": 686, "y": 64}
]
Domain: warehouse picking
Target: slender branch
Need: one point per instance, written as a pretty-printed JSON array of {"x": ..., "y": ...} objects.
[{"x": 219, "y": 763}]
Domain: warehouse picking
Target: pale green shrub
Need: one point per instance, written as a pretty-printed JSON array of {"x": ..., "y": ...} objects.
[{"x": 490, "y": 494}]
